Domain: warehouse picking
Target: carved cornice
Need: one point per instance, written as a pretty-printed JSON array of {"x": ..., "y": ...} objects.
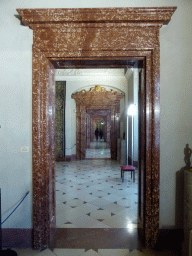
[
  {"x": 97, "y": 96},
  {"x": 98, "y": 88},
  {"x": 149, "y": 15}
]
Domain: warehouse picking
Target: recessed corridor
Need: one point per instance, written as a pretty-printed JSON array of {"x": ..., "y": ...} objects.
[{"x": 98, "y": 149}]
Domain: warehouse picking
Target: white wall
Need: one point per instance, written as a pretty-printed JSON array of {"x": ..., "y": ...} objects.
[
  {"x": 15, "y": 101},
  {"x": 130, "y": 79},
  {"x": 176, "y": 104},
  {"x": 133, "y": 83},
  {"x": 135, "y": 134}
]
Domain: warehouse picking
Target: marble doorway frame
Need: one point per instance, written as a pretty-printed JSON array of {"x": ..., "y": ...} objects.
[{"x": 84, "y": 34}]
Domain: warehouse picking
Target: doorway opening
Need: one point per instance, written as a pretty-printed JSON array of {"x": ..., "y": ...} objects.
[
  {"x": 101, "y": 200},
  {"x": 98, "y": 142}
]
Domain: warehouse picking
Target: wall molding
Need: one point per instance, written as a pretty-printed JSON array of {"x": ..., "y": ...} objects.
[{"x": 168, "y": 239}]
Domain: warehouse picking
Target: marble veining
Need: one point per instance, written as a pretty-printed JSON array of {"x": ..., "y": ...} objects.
[{"x": 114, "y": 33}]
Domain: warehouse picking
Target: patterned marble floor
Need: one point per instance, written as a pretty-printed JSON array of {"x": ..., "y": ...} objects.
[
  {"x": 98, "y": 149},
  {"x": 80, "y": 252},
  {"x": 91, "y": 194},
  {"x": 91, "y": 252}
]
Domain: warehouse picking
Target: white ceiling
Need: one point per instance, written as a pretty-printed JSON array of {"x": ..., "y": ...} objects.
[{"x": 91, "y": 72}]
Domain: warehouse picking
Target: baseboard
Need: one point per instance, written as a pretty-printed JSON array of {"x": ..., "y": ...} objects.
[
  {"x": 68, "y": 158},
  {"x": 16, "y": 238},
  {"x": 60, "y": 159},
  {"x": 170, "y": 239}
]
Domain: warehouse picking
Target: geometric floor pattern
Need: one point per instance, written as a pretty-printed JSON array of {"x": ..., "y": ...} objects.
[
  {"x": 91, "y": 252},
  {"x": 91, "y": 194},
  {"x": 98, "y": 149},
  {"x": 80, "y": 252}
]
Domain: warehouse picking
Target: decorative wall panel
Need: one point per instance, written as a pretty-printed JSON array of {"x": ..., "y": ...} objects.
[
  {"x": 114, "y": 34},
  {"x": 60, "y": 90}
]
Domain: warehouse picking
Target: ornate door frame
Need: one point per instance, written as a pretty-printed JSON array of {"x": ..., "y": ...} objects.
[
  {"x": 97, "y": 98},
  {"x": 92, "y": 34}
]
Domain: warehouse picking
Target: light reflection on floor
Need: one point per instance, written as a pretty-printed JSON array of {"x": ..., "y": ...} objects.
[{"x": 98, "y": 149}]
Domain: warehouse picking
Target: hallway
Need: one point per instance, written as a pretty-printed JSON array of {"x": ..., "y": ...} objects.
[{"x": 98, "y": 149}]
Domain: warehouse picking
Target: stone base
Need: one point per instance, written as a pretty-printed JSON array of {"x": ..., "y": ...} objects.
[{"x": 16, "y": 238}]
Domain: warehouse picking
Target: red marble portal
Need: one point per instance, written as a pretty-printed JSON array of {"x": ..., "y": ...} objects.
[{"x": 62, "y": 36}]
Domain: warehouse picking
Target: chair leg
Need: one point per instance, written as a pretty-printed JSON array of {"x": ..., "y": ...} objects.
[{"x": 133, "y": 176}]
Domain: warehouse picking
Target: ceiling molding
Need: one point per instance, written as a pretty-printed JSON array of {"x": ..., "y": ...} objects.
[
  {"x": 97, "y": 96},
  {"x": 119, "y": 72}
]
